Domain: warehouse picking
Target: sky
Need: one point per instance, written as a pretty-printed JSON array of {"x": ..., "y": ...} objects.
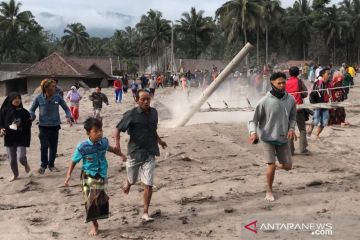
[{"x": 102, "y": 18}]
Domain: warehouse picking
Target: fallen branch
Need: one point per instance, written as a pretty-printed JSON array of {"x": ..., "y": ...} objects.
[
  {"x": 11, "y": 207},
  {"x": 186, "y": 200},
  {"x": 189, "y": 159},
  {"x": 172, "y": 156}
]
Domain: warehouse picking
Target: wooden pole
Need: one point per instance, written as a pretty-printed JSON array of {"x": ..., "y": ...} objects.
[{"x": 215, "y": 84}]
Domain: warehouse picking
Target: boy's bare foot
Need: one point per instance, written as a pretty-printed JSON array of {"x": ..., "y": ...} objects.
[
  {"x": 94, "y": 229},
  {"x": 269, "y": 197},
  {"x": 146, "y": 218},
  {"x": 126, "y": 187},
  {"x": 13, "y": 178},
  {"x": 27, "y": 168}
]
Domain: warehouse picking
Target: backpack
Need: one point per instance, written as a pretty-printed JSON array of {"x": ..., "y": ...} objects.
[{"x": 316, "y": 96}]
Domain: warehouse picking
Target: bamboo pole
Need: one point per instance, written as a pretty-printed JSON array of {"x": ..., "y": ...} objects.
[{"x": 215, "y": 84}]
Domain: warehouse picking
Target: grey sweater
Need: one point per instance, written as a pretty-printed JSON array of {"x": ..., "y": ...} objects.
[{"x": 273, "y": 118}]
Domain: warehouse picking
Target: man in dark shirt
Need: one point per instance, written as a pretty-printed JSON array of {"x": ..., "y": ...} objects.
[
  {"x": 141, "y": 124},
  {"x": 144, "y": 81}
]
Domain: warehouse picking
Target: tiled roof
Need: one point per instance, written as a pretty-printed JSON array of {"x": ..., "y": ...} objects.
[
  {"x": 103, "y": 63},
  {"x": 57, "y": 65}
]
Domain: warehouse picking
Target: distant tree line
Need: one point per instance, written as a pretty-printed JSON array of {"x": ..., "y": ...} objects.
[{"x": 306, "y": 30}]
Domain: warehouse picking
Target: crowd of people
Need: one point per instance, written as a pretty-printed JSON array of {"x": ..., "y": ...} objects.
[
  {"x": 186, "y": 80},
  {"x": 274, "y": 121},
  {"x": 140, "y": 123},
  {"x": 276, "y": 114}
]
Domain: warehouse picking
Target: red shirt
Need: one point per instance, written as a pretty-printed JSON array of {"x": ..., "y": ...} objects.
[
  {"x": 117, "y": 84},
  {"x": 292, "y": 86}
]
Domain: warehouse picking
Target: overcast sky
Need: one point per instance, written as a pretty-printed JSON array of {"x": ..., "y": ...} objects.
[{"x": 101, "y": 18}]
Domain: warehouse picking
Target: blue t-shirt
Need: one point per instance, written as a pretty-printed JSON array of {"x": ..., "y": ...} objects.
[{"x": 93, "y": 156}]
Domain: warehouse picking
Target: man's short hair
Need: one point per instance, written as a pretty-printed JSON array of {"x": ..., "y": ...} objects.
[
  {"x": 91, "y": 123},
  {"x": 98, "y": 87},
  {"x": 294, "y": 71},
  {"x": 277, "y": 75},
  {"x": 322, "y": 72},
  {"x": 137, "y": 96}
]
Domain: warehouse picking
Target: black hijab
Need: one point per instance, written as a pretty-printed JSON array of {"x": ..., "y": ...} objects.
[{"x": 7, "y": 104}]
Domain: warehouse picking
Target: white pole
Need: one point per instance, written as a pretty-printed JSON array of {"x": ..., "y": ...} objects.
[
  {"x": 172, "y": 50},
  {"x": 215, "y": 84}
]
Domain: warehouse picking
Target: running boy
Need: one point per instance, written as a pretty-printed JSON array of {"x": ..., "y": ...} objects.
[
  {"x": 98, "y": 98},
  {"x": 94, "y": 172}
]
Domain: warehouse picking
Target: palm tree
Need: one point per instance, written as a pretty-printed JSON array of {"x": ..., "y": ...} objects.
[
  {"x": 76, "y": 40},
  {"x": 355, "y": 23},
  {"x": 98, "y": 46},
  {"x": 197, "y": 27},
  {"x": 273, "y": 12},
  {"x": 333, "y": 24},
  {"x": 240, "y": 14},
  {"x": 154, "y": 32},
  {"x": 352, "y": 10},
  {"x": 122, "y": 45},
  {"x": 299, "y": 24},
  {"x": 12, "y": 21}
]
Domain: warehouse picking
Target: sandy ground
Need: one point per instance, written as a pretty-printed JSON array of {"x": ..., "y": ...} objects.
[{"x": 209, "y": 183}]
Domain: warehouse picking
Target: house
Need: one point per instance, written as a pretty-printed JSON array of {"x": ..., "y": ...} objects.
[
  {"x": 93, "y": 71},
  {"x": 10, "y": 80}
]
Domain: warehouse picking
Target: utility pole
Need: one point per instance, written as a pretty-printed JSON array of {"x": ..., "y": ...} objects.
[{"x": 172, "y": 59}]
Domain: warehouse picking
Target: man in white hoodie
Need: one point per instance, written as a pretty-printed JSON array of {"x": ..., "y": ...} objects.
[{"x": 275, "y": 119}]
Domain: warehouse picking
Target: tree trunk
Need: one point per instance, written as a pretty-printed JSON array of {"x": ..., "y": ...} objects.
[
  {"x": 157, "y": 58},
  {"x": 245, "y": 41},
  {"x": 151, "y": 63},
  {"x": 304, "y": 51},
  {"x": 257, "y": 47},
  {"x": 267, "y": 44},
  {"x": 333, "y": 57},
  {"x": 195, "y": 45},
  {"x": 358, "y": 55}
]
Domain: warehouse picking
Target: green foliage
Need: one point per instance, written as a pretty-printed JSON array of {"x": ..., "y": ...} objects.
[
  {"x": 195, "y": 32},
  {"x": 76, "y": 39},
  {"x": 305, "y": 30}
]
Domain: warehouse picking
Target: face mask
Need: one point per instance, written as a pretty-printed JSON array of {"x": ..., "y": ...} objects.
[{"x": 278, "y": 93}]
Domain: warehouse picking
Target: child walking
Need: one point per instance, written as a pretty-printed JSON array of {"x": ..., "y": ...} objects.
[
  {"x": 94, "y": 172},
  {"x": 15, "y": 126},
  {"x": 97, "y": 99}
]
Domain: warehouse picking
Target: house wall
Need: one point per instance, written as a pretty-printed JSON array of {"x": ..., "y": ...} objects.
[
  {"x": 16, "y": 85},
  {"x": 13, "y": 85},
  {"x": 64, "y": 83},
  {"x": 2, "y": 89},
  {"x": 94, "y": 82}
]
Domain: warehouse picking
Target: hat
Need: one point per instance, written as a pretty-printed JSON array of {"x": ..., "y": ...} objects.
[{"x": 73, "y": 88}]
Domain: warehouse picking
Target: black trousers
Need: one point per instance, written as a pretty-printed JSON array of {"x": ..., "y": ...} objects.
[{"x": 49, "y": 137}]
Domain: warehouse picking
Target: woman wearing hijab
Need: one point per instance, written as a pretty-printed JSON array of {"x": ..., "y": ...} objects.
[
  {"x": 74, "y": 97},
  {"x": 337, "y": 115},
  {"x": 15, "y": 126}
]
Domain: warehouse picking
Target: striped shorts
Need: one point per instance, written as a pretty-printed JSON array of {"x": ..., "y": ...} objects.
[{"x": 146, "y": 170}]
